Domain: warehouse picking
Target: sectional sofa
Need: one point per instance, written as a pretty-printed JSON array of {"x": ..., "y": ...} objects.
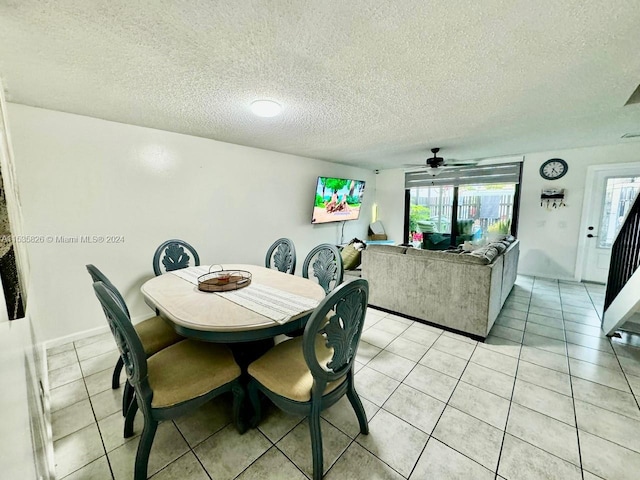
[{"x": 462, "y": 292}]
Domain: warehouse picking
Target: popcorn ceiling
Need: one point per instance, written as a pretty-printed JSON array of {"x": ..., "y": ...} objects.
[{"x": 374, "y": 84}]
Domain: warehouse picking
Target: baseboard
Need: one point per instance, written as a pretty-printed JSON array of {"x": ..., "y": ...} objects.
[
  {"x": 477, "y": 338},
  {"x": 86, "y": 333}
]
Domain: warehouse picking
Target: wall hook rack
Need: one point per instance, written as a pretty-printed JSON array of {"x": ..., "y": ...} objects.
[{"x": 552, "y": 198}]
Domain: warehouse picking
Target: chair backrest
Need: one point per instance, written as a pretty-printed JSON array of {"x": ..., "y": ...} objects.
[
  {"x": 174, "y": 256},
  {"x": 282, "y": 256},
  {"x": 98, "y": 276},
  {"x": 131, "y": 350},
  {"x": 327, "y": 266},
  {"x": 345, "y": 308}
]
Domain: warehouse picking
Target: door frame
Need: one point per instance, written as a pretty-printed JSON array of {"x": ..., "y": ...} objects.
[{"x": 589, "y": 191}]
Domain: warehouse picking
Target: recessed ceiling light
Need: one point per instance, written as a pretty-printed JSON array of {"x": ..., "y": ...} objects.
[{"x": 266, "y": 108}]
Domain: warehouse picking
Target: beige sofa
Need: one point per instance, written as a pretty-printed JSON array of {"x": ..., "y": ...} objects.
[{"x": 462, "y": 292}]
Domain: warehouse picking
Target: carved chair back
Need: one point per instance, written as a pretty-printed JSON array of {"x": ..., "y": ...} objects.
[
  {"x": 175, "y": 255},
  {"x": 326, "y": 261},
  {"x": 282, "y": 256},
  {"x": 127, "y": 341},
  {"x": 339, "y": 319},
  {"x": 98, "y": 276}
]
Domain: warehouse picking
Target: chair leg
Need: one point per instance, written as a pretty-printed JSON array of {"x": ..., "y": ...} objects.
[
  {"x": 115, "y": 379},
  {"x": 130, "y": 418},
  {"x": 316, "y": 442},
  {"x": 238, "y": 408},
  {"x": 144, "y": 448},
  {"x": 254, "y": 397},
  {"x": 127, "y": 397},
  {"x": 354, "y": 399}
]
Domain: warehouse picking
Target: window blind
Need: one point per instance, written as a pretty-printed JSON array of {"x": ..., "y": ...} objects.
[{"x": 471, "y": 175}]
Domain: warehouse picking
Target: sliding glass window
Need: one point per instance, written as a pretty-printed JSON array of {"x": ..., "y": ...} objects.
[{"x": 461, "y": 204}]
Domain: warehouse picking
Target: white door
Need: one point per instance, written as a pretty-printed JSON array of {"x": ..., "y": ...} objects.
[{"x": 610, "y": 196}]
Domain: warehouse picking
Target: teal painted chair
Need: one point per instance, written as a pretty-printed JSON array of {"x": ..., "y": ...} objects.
[
  {"x": 326, "y": 263},
  {"x": 308, "y": 374},
  {"x": 155, "y": 334},
  {"x": 174, "y": 381},
  {"x": 281, "y": 256},
  {"x": 175, "y": 255}
]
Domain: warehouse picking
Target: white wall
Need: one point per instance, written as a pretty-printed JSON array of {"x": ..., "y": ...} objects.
[
  {"x": 549, "y": 239},
  {"x": 390, "y": 202},
  {"x": 83, "y": 176}
]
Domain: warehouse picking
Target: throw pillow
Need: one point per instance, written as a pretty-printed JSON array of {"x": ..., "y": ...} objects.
[
  {"x": 500, "y": 246},
  {"x": 350, "y": 257}
]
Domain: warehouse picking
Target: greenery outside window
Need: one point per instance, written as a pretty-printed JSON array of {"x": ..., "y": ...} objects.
[{"x": 462, "y": 206}]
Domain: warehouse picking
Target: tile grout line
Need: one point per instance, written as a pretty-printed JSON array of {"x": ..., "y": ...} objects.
[
  {"x": 573, "y": 400},
  {"x": 515, "y": 378},
  {"x": 95, "y": 418},
  {"x": 387, "y": 399},
  {"x": 446, "y": 404}
]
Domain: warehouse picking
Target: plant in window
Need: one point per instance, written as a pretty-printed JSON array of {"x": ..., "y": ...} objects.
[
  {"x": 418, "y": 213},
  {"x": 502, "y": 227}
]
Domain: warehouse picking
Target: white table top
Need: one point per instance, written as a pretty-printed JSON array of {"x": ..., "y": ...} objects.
[{"x": 182, "y": 303}]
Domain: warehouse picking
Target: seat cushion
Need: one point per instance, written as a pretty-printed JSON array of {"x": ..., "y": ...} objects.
[
  {"x": 155, "y": 334},
  {"x": 284, "y": 371},
  {"x": 189, "y": 369}
]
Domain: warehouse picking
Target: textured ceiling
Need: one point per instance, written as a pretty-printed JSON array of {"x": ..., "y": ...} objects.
[{"x": 368, "y": 83}]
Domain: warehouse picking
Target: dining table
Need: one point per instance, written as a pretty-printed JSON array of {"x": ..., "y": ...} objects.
[{"x": 273, "y": 303}]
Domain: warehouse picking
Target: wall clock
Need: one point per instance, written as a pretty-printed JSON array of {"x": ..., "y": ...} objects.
[{"x": 553, "y": 169}]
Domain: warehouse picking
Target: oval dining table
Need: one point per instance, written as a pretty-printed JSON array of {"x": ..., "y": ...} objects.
[{"x": 212, "y": 317}]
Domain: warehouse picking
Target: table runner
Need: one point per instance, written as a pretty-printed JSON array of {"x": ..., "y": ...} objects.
[{"x": 271, "y": 302}]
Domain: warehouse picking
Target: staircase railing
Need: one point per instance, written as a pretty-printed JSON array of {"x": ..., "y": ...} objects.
[{"x": 625, "y": 254}]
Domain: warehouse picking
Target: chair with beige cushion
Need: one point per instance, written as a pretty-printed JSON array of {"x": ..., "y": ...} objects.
[
  {"x": 171, "y": 383},
  {"x": 308, "y": 374},
  {"x": 281, "y": 255},
  {"x": 326, "y": 262},
  {"x": 175, "y": 256},
  {"x": 154, "y": 333}
]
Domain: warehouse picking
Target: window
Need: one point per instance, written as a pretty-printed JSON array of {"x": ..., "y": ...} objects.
[
  {"x": 618, "y": 199},
  {"x": 463, "y": 204}
]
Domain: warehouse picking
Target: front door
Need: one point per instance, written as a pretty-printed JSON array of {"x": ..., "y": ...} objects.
[{"x": 612, "y": 194}]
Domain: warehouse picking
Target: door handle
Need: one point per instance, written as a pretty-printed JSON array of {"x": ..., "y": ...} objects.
[{"x": 591, "y": 235}]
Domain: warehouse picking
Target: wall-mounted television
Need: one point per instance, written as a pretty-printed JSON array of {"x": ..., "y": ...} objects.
[{"x": 337, "y": 199}]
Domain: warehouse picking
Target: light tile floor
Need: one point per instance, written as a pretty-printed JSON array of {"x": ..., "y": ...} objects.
[{"x": 546, "y": 397}]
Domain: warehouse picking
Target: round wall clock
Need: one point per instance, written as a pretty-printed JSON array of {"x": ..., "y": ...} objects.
[{"x": 553, "y": 169}]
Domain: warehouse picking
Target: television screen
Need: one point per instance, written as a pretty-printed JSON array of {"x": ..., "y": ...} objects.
[{"x": 337, "y": 199}]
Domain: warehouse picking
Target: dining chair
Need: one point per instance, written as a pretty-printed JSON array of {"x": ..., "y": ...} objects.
[
  {"x": 174, "y": 381},
  {"x": 281, "y": 255},
  {"x": 176, "y": 256},
  {"x": 155, "y": 334},
  {"x": 326, "y": 261},
  {"x": 308, "y": 374}
]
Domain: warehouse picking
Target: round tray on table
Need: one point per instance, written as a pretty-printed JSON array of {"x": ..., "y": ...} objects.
[{"x": 224, "y": 280}]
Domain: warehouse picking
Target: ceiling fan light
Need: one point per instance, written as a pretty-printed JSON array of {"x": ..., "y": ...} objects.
[{"x": 434, "y": 172}]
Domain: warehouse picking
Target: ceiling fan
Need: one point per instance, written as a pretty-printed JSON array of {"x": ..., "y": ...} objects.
[{"x": 435, "y": 165}]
